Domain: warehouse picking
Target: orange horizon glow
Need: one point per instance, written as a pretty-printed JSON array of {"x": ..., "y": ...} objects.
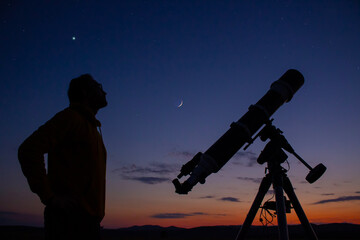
[
  {"x": 292, "y": 219},
  {"x": 194, "y": 224}
]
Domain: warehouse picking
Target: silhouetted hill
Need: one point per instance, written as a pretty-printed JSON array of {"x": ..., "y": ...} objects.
[
  {"x": 150, "y": 232},
  {"x": 149, "y": 228}
]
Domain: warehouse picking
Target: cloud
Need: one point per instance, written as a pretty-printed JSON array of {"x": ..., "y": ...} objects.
[
  {"x": 229, "y": 199},
  {"x": 15, "y": 218},
  {"x": 246, "y": 159},
  {"x": 147, "y": 180},
  {"x": 207, "y": 197},
  {"x": 183, "y": 215},
  {"x": 339, "y": 199},
  {"x": 255, "y": 180},
  {"x": 358, "y": 192},
  {"x": 176, "y": 215},
  {"x": 183, "y": 154},
  {"x": 328, "y": 194},
  {"x": 154, "y": 168},
  {"x": 154, "y": 173},
  {"x": 226, "y": 199}
]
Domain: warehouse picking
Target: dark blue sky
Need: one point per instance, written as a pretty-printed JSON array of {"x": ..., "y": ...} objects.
[{"x": 218, "y": 57}]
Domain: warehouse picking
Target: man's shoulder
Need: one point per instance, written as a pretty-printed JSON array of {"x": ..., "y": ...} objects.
[{"x": 66, "y": 115}]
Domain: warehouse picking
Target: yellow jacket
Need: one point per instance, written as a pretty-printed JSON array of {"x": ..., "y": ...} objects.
[{"x": 76, "y": 159}]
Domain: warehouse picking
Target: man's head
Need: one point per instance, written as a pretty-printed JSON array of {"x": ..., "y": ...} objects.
[{"x": 86, "y": 90}]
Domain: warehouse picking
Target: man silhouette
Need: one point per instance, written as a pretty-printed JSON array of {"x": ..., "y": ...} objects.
[{"x": 73, "y": 188}]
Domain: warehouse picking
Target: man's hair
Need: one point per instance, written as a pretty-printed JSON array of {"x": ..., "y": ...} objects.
[{"x": 78, "y": 86}]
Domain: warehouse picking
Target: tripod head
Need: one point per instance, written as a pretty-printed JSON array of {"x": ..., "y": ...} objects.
[{"x": 275, "y": 146}]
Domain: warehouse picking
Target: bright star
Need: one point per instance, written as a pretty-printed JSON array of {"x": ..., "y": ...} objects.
[{"x": 73, "y": 38}]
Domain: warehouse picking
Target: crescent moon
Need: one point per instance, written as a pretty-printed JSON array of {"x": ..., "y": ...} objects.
[{"x": 181, "y": 103}]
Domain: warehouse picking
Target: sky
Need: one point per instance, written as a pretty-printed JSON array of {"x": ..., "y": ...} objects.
[{"x": 216, "y": 58}]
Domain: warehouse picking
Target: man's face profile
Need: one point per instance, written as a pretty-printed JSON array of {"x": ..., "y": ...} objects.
[{"x": 96, "y": 95}]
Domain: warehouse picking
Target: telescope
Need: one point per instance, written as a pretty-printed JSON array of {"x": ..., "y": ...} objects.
[{"x": 240, "y": 132}]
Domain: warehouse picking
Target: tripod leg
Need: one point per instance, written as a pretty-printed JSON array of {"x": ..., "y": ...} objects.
[
  {"x": 280, "y": 207},
  {"x": 298, "y": 209},
  {"x": 264, "y": 187}
]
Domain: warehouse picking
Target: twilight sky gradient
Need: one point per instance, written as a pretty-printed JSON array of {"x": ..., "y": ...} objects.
[{"x": 218, "y": 57}]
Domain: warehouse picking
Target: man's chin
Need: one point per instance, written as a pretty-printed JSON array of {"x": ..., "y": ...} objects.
[{"x": 103, "y": 104}]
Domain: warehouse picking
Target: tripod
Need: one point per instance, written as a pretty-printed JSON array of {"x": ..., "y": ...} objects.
[{"x": 274, "y": 156}]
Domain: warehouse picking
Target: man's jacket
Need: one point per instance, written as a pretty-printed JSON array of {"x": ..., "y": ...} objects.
[{"x": 76, "y": 159}]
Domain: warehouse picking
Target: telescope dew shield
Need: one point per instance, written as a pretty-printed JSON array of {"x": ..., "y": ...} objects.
[{"x": 240, "y": 132}]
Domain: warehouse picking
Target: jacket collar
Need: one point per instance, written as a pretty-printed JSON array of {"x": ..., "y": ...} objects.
[{"x": 86, "y": 112}]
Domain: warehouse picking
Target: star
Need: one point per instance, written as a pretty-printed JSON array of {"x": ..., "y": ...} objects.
[{"x": 73, "y": 38}]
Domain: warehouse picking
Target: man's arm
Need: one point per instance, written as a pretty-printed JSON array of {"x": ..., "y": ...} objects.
[{"x": 31, "y": 154}]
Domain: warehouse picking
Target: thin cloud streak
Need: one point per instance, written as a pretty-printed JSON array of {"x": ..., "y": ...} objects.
[
  {"x": 183, "y": 154},
  {"x": 147, "y": 180},
  {"x": 249, "y": 179},
  {"x": 183, "y": 215},
  {"x": 176, "y": 215},
  {"x": 154, "y": 168},
  {"x": 229, "y": 199},
  {"x": 246, "y": 159},
  {"x": 339, "y": 199},
  {"x": 15, "y": 218},
  {"x": 155, "y": 173},
  {"x": 207, "y": 197}
]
